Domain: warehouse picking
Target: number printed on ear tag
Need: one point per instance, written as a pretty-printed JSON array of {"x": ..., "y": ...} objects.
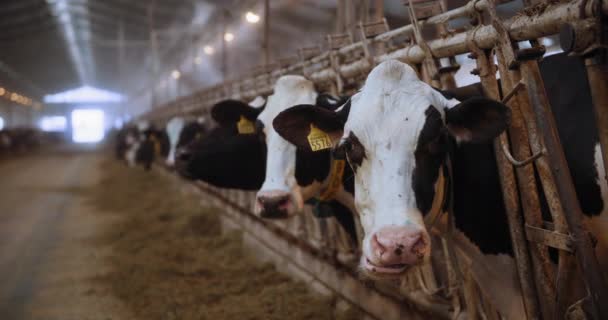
[
  {"x": 245, "y": 126},
  {"x": 318, "y": 139}
]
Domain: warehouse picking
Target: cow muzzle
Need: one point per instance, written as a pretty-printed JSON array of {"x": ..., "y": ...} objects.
[
  {"x": 274, "y": 204},
  {"x": 393, "y": 249}
]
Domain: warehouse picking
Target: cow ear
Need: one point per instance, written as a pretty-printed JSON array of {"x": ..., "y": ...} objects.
[
  {"x": 299, "y": 123},
  {"x": 328, "y": 101},
  {"x": 229, "y": 112},
  {"x": 477, "y": 120}
]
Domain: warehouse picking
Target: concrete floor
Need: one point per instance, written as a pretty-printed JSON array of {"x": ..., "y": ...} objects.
[{"x": 49, "y": 260}]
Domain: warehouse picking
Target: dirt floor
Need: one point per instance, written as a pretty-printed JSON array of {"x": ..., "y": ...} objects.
[
  {"x": 170, "y": 260},
  {"x": 85, "y": 237},
  {"x": 50, "y": 258}
]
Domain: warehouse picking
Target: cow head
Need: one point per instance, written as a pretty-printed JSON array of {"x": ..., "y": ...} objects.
[
  {"x": 182, "y": 133},
  {"x": 231, "y": 155},
  {"x": 280, "y": 195},
  {"x": 394, "y": 134}
]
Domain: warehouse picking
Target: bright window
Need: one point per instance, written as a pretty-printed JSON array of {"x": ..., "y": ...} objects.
[
  {"x": 1, "y": 123},
  {"x": 87, "y": 125},
  {"x": 53, "y": 123}
]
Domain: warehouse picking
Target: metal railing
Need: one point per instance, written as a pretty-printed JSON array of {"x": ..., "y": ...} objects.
[{"x": 448, "y": 287}]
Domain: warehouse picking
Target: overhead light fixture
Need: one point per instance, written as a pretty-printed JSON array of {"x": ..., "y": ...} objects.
[
  {"x": 176, "y": 74},
  {"x": 252, "y": 17},
  {"x": 198, "y": 60},
  {"x": 208, "y": 50},
  {"x": 228, "y": 36}
]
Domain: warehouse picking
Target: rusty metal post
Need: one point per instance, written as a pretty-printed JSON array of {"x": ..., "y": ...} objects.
[
  {"x": 543, "y": 270},
  {"x": 548, "y": 184},
  {"x": 585, "y": 254},
  {"x": 266, "y": 41},
  {"x": 487, "y": 73}
]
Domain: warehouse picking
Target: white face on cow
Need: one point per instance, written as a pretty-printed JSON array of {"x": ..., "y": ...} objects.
[
  {"x": 386, "y": 120},
  {"x": 395, "y": 136},
  {"x": 280, "y": 195},
  {"x": 174, "y": 129}
]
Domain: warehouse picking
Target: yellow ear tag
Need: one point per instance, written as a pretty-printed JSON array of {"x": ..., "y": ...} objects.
[
  {"x": 245, "y": 126},
  {"x": 318, "y": 139}
]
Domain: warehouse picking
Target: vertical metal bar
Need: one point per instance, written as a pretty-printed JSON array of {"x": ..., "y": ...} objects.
[
  {"x": 485, "y": 65},
  {"x": 585, "y": 254},
  {"x": 224, "y": 46},
  {"x": 378, "y": 10},
  {"x": 553, "y": 201},
  {"x": 266, "y": 42},
  {"x": 543, "y": 269}
]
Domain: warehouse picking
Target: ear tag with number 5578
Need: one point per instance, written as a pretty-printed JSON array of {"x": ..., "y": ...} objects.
[
  {"x": 318, "y": 139},
  {"x": 245, "y": 126}
]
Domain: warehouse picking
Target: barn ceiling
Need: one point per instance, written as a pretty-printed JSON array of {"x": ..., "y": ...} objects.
[
  {"x": 51, "y": 45},
  {"x": 48, "y": 46}
]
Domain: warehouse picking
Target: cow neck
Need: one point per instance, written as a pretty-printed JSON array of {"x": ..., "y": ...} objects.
[
  {"x": 329, "y": 190},
  {"x": 334, "y": 182},
  {"x": 442, "y": 202}
]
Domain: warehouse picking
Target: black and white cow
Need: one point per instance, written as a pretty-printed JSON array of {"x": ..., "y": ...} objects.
[
  {"x": 225, "y": 158},
  {"x": 153, "y": 143},
  {"x": 124, "y": 139},
  {"x": 141, "y": 144},
  {"x": 292, "y": 177},
  {"x": 181, "y": 132},
  {"x": 396, "y": 134}
]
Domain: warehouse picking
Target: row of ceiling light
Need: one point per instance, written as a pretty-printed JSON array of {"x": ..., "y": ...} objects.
[
  {"x": 250, "y": 17},
  {"x": 18, "y": 98}
]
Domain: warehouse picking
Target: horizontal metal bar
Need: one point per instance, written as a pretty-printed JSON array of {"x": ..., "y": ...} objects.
[{"x": 549, "y": 238}]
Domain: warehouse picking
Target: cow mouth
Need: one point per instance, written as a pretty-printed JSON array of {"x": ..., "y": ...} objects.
[{"x": 392, "y": 269}]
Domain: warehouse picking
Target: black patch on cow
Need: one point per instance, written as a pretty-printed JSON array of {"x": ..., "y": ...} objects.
[
  {"x": 191, "y": 131},
  {"x": 228, "y": 112},
  {"x": 567, "y": 88},
  {"x": 478, "y": 203},
  {"x": 477, "y": 119},
  {"x": 462, "y": 93},
  {"x": 312, "y": 166},
  {"x": 429, "y": 154},
  {"x": 294, "y": 123},
  {"x": 226, "y": 159},
  {"x": 354, "y": 151}
]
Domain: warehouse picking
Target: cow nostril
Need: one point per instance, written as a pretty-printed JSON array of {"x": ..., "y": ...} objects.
[
  {"x": 419, "y": 247},
  {"x": 398, "y": 251},
  {"x": 377, "y": 246}
]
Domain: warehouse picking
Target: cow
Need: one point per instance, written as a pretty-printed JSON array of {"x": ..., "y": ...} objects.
[
  {"x": 397, "y": 134},
  {"x": 261, "y": 160},
  {"x": 152, "y": 143},
  {"x": 226, "y": 158},
  {"x": 182, "y": 132},
  {"x": 124, "y": 138}
]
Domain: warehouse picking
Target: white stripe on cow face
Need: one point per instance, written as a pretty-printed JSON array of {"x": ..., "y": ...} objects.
[
  {"x": 174, "y": 129},
  {"x": 387, "y": 117},
  {"x": 280, "y": 184},
  {"x": 598, "y": 225}
]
